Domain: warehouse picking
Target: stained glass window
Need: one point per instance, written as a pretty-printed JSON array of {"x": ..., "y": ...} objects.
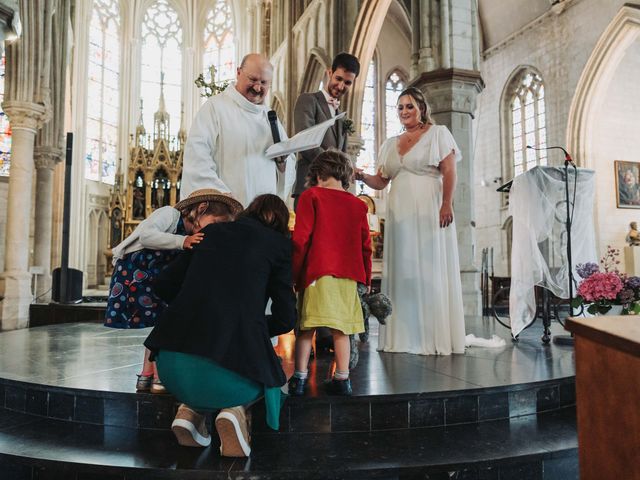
[
  {"x": 367, "y": 157},
  {"x": 161, "y": 53},
  {"x": 528, "y": 122},
  {"x": 219, "y": 47},
  {"x": 392, "y": 90},
  {"x": 102, "y": 92},
  {"x": 5, "y": 129}
]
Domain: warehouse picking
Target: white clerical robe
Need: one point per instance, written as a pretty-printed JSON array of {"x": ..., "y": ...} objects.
[{"x": 225, "y": 150}]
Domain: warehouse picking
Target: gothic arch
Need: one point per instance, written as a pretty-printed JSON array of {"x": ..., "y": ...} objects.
[
  {"x": 314, "y": 70},
  {"x": 400, "y": 71},
  {"x": 505, "y": 118},
  {"x": 363, "y": 43},
  {"x": 623, "y": 30}
]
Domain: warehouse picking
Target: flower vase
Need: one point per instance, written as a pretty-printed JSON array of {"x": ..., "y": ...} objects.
[{"x": 614, "y": 310}]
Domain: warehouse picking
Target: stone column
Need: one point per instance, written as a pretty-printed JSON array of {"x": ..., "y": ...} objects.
[
  {"x": 15, "y": 282},
  {"x": 354, "y": 146},
  {"x": 27, "y": 102},
  {"x": 45, "y": 160},
  {"x": 452, "y": 95}
]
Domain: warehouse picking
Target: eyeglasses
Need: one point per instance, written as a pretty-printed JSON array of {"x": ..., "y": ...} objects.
[{"x": 256, "y": 81}]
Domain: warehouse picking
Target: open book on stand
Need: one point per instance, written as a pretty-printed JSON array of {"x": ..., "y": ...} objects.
[{"x": 304, "y": 140}]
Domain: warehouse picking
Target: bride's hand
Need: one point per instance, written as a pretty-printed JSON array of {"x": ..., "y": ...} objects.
[
  {"x": 358, "y": 174},
  {"x": 446, "y": 215}
]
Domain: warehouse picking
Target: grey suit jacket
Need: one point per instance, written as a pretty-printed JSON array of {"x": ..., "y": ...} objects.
[{"x": 312, "y": 109}]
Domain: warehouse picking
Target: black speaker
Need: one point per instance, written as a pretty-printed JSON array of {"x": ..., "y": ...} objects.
[{"x": 74, "y": 286}]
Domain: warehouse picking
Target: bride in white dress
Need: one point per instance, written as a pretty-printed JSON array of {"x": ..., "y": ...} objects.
[{"x": 421, "y": 272}]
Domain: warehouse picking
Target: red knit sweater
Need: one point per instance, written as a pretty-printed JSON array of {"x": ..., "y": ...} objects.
[{"x": 331, "y": 237}]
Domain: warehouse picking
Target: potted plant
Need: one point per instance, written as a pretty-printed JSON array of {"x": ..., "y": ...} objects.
[{"x": 605, "y": 290}]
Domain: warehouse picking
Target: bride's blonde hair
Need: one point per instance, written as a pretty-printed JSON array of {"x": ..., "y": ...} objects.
[{"x": 419, "y": 102}]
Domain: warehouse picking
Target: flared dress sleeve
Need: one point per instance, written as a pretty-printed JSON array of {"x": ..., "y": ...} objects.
[
  {"x": 383, "y": 158},
  {"x": 442, "y": 145}
]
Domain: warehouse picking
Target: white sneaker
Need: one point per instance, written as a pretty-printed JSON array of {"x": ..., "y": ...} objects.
[
  {"x": 233, "y": 429},
  {"x": 190, "y": 428}
]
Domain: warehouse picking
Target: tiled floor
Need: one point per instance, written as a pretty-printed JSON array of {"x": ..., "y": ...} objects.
[{"x": 93, "y": 357}]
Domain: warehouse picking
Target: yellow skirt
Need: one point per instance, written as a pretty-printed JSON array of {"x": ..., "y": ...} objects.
[{"x": 331, "y": 302}]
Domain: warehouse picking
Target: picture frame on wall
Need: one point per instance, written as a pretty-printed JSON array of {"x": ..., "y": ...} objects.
[{"x": 627, "y": 183}]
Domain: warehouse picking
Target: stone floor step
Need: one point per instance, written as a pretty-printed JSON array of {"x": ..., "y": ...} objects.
[{"x": 541, "y": 447}]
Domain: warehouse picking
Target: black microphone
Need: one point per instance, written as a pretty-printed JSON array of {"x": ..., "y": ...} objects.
[
  {"x": 273, "y": 121},
  {"x": 275, "y": 132},
  {"x": 567, "y": 157}
]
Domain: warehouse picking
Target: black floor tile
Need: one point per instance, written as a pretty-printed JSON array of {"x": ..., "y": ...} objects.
[
  {"x": 389, "y": 415},
  {"x": 36, "y": 403},
  {"x": 493, "y": 406},
  {"x": 522, "y": 402},
  {"x": 89, "y": 409},
  {"x": 548, "y": 398},
  {"x": 426, "y": 412},
  {"x": 565, "y": 468},
  {"x": 120, "y": 412},
  {"x": 527, "y": 471},
  {"x": 310, "y": 418},
  {"x": 61, "y": 405},
  {"x": 15, "y": 398},
  {"x": 350, "y": 417},
  {"x": 463, "y": 409}
]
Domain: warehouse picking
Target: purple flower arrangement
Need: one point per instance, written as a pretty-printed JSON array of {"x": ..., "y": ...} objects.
[{"x": 602, "y": 287}]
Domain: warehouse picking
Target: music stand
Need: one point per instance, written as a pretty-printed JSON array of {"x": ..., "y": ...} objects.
[{"x": 506, "y": 188}]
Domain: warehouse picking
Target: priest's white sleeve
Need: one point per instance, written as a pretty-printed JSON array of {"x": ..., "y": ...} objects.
[{"x": 200, "y": 165}]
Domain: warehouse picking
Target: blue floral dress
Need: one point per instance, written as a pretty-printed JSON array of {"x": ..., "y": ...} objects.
[{"x": 132, "y": 302}]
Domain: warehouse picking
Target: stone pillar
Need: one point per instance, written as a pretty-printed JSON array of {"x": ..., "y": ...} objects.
[
  {"x": 445, "y": 67},
  {"x": 354, "y": 146},
  {"x": 423, "y": 26},
  {"x": 452, "y": 95},
  {"x": 27, "y": 102},
  {"x": 45, "y": 161},
  {"x": 15, "y": 281}
]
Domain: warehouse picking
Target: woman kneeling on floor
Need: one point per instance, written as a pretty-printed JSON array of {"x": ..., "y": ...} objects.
[{"x": 212, "y": 344}]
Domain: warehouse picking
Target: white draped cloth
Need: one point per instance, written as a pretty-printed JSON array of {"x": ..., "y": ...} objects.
[
  {"x": 226, "y": 147},
  {"x": 537, "y": 204},
  {"x": 421, "y": 271}
]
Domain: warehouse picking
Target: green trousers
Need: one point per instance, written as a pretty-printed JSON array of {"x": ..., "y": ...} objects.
[{"x": 204, "y": 385}]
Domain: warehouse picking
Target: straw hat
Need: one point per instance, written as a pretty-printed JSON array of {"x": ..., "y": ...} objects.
[{"x": 210, "y": 195}]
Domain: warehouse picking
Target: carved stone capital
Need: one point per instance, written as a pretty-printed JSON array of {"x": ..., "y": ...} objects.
[
  {"x": 47, "y": 157},
  {"x": 450, "y": 90},
  {"x": 25, "y": 115},
  {"x": 354, "y": 145}
]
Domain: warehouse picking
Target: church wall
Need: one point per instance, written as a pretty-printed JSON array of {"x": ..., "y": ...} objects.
[
  {"x": 616, "y": 138},
  {"x": 4, "y": 192},
  {"x": 558, "y": 45}
]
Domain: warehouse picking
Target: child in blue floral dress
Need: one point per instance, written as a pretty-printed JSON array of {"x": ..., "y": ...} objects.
[{"x": 137, "y": 261}]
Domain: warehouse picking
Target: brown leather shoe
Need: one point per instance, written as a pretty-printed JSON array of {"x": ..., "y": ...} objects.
[
  {"x": 190, "y": 428},
  {"x": 233, "y": 428},
  {"x": 144, "y": 383},
  {"x": 157, "y": 387}
]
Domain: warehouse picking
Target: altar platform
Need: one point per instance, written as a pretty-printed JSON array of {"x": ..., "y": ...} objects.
[{"x": 68, "y": 409}]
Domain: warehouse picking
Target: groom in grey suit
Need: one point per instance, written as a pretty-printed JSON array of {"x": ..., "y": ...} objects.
[{"x": 314, "y": 108}]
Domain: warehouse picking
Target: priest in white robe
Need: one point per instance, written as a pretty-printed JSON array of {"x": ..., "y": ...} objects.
[{"x": 226, "y": 145}]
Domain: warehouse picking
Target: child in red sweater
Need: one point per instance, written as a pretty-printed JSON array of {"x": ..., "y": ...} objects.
[{"x": 331, "y": 254}]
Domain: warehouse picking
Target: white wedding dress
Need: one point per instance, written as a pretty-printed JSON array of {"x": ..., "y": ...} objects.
[{"x": 421, "y": 271}]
